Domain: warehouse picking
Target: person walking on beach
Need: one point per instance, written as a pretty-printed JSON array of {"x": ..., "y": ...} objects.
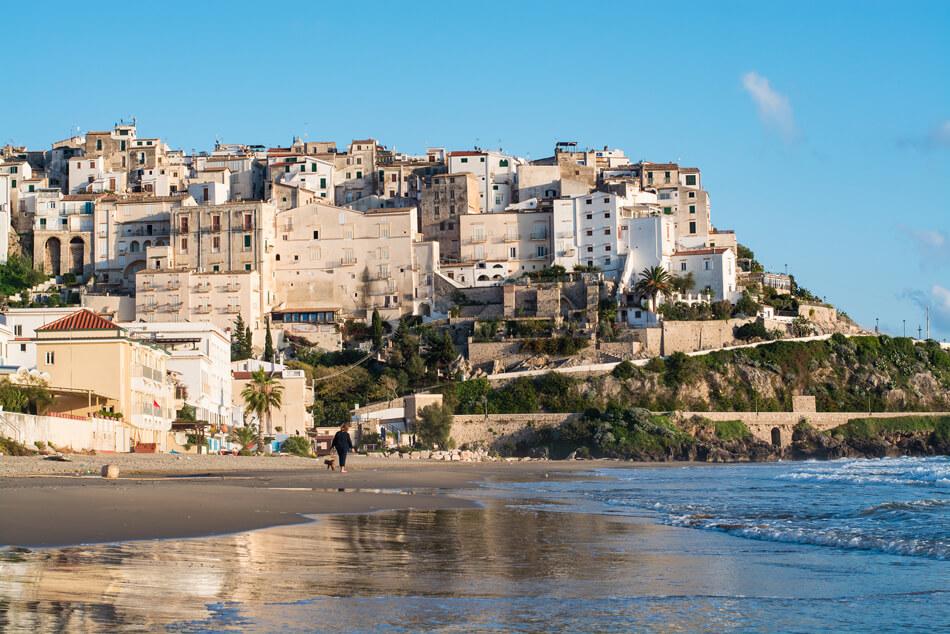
[{"x": 342, "y": 444}]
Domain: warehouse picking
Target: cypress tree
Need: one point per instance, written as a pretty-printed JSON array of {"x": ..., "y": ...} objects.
[
  {"x": 377, "y": 330},
  {"x": 268, "y": 343}
]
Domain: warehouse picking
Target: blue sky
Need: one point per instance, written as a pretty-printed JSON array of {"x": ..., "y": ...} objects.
[{"x": 822, "y": 128}]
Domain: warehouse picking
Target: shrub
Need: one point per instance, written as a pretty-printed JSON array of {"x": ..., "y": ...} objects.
[
  {"x": 624, "y": 370},
  {"x": 434, "y": 426},
  {"x": 870, "y": 428},
  {"x": 297, "y": 445},
  {"x": 732, "y": 430},
  {"x": 752, "y": 330},
  {"x": 10, "y": 447}
]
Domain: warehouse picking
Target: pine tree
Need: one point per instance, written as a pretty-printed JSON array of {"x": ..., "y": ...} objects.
[
  {"x": 239, "y": 342},
  {"x": 377, "y": 330},
  {"x": 248, "y": 343},
  {"x": 268, "y": 343}
]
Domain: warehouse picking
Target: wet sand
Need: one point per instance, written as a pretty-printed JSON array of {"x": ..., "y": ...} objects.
[{"x": 45, "y": 503}]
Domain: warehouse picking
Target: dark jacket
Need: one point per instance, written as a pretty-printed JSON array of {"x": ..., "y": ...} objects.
[{"x": 342, "y": 442}]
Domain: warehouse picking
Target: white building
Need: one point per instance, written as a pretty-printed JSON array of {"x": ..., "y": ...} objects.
[
  {"x": 714, "y": 271},
  {"x": 496, "y": 173},
  {"x": 22, "y": 323},
  {"x": 200, "y": 360},
  {"x": 90, "y": 174}
]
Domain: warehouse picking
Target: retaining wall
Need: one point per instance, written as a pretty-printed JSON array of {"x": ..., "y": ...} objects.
[
  {"x": 92, "y": 434},
  {"x": 497, "y": 429}
]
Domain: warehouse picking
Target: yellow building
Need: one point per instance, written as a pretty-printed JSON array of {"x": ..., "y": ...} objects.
[{"x": 93, "y": 364}]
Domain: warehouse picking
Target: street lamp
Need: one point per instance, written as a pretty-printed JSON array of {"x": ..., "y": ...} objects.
[{"x": 876, "y": 329}]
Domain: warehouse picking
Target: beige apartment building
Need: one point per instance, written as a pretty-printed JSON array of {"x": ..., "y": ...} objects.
[
  {"x": 355, "y": 171},
  {"x": 93, "y": 364},
  {"x": 292, "y": 417},
  {"x": 679, "y": 193},
  {"x": 170, "y": 294},
  {"x": 219, "y": 238},
  {"x": 344, "y": 262},
  {"x": 449, "y": 196},
  {"x": 498, "y": 246},
  {"x": 125, "y": 228}
]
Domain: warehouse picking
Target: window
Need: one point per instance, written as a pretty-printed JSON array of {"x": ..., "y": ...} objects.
[
  {"x": 215, "y": 244},
  {"x": 98, "y": 144},
  {"x": 323, "y": 183},
  {"x": 607, "y": 231},
  {"x": 692, "y": 227},
  {"x": 247, "y": 267},
  {"x": 513, "y": 252},
  {"x": 13, "y": 183},
  {"x": 503, "y": 163},
  {"x": 316, "y": 234},
  {"x": 464, "y": 160},
  {"x": 650, "y": 177},
  {"x": 183, "y": 224},
  {"x": 277, "y": 257},
  {"x": 18, "y": 330},
  {"x": 183, "y": 245},
  {"x": 707, "y": 265},
  {"x": 204, "y": 194},
  {"x": 50, "y": 358},
  {"x": 22, "y": 347},
  {"x": 31, "y": 188},
  {"x": 606, "y": 260},
  {"x": 590, "y": 249},
  {"x": 215, "y": 222},
  {"x": 589, "y": 201},
  {"x": 692, "y": 209},
  {"x": 541, "y": 251},
  {"x": 666, "y": 177},
  {"x": 682, "y": 266},
  {"x": 313, "y": 167},
  {"x": 247, "y": 242},
  {"x": 590, "y": 232},
  {"x": 667, "y": 210},
  {"x": 215, "y": 268},
  {"x": 692, "y": 194},
  {"x": 691, "y": 180},
  {"x": 590, "y": 216},
  {"x": 383, "y": 230},
  {"x": 247, "y": 222},
  {"x": 606, "y": 214},
  {"x": 359, "y": 174}
]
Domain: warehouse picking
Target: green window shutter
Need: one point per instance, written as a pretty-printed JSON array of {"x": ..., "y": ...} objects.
[
  {"x": 323, "y": 183},
  {"x": 247, "y": 240},
  {"x": 313, "y": 167},
  {"x": 359, "y": 174}
]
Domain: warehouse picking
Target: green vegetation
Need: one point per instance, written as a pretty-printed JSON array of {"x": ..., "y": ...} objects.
[
  {"x": 653, "y": 282},
  {"x": 245, "y": 436},
  {"x": 554, "y": 273},
  {"x": 680, "y": 311},
  {"x": 745, "y": 253},
  {"x": 752, "y": 330},
  {"x": 10, "y": 447},
  {"x": 870, "y": 428},
  {"x": 624, "y": 370},
  {"x": 17, "y": 274},
  {"x": 297, "y": 445},
  {"x": 434, "y": 426},
  {"x": 731, "y": 430},
  {"x": 32, "y": 397},
  {"x": 262, "y": 395},
  {"x": 377, "y": 330},
  {"x": 240, "y": 340},
  {"x": 269, "y": 355}
]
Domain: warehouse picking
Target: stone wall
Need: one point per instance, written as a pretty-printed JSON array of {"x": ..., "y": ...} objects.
[
  {"x": 763, "y": 425},
  {"x": 497, "y": 430},
  {"x": 486, "y": 352},
  {"x": 691, "y": 336},
  {"x": 623, "y": 350}
]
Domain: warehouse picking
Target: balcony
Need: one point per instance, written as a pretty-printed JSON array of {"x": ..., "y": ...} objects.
[
  {"x": 231, "y": 308},
  {"x": 539, "y": 235},
  {"x": 203, "y": 309},
  {"x": 348, "y": 260},
  {"x": 512, "y": 237},
  {"x": 477, "y": 239},
  {"x": 173, "y": 286},
  {"x": 202, "y": 288},
  {"x": 231, "y": 287}
]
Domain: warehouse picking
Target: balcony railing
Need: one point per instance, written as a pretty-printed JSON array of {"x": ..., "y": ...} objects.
[
  {"x": 347, "y": 260},
  {"x": 203, "y": 288},
  {"x": 539, "y": 235}
]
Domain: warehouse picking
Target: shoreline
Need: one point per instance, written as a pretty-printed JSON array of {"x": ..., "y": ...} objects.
[{"x": 168, "y": 500}]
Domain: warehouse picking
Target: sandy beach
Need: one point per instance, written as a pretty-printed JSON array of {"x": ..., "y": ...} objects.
[{"x": 47, "y": 503}]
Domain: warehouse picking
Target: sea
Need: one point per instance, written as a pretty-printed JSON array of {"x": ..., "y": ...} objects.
[{"x": 841, "y": 546}]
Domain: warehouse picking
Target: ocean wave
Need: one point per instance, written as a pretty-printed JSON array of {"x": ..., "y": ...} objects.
[
  {"x": 913, "y": 505},
  {"x": 847, "y": 538}
]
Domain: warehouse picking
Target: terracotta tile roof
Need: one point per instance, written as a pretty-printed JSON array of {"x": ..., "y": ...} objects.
[
  {"x": 467, "y": 153},
  {"x": 80, "y": 320}
]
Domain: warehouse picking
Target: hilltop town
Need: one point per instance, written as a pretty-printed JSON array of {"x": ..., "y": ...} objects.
[{"x": 146, "y": 285}]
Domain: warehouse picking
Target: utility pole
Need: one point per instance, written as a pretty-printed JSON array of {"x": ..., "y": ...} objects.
[
  {"x": 919, "y": 330},
  {"x": 905, "y": 326},
  {"x": 876, "y": 329}
]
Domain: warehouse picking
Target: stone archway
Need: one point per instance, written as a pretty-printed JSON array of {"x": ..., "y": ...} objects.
[
  {"x": 77, "y": 255},
  {"x": 132, "y": 269},
  {"x": 776, "y": 437},
  {"x": 51, "y": 257}
]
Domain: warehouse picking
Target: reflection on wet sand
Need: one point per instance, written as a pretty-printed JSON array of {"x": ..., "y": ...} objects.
[{"x": 494, "y": 552}]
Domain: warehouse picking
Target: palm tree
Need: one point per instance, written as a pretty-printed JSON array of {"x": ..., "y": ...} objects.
[
  {"x": 262, "y": 395},
  {"x": 246, "y": 436},
  {"x": 654, "y": 281}
]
